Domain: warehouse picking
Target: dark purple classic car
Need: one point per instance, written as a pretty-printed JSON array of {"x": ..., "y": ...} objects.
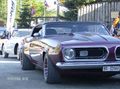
[{"x": 65, "y": 48}]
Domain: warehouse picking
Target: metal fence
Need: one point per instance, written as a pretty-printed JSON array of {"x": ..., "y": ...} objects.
[{"x": 100, "y": 12}]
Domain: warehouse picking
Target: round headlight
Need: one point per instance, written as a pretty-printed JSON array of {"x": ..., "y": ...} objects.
[{"x": 69, "y": 53}]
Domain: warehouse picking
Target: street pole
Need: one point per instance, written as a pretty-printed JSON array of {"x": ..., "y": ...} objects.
[
  {"x": 78, "y": 15},
  {"x": 58, "y": 8},
  {"x": 44, "y": 12}
]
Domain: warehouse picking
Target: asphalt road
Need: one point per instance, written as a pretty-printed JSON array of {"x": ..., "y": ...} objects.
[{"x": 12, "y": 77}]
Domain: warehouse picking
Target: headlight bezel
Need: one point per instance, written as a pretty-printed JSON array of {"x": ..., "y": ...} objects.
[
  {"x": 115, "y": 52},
  {"x": 69, "y": 53}
]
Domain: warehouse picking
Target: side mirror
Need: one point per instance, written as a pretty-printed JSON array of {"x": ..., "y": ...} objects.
[
  {"x": 2, "y": 35},
  {"x": 36, "y": 34},
  {"x": 28, "y": 39}
]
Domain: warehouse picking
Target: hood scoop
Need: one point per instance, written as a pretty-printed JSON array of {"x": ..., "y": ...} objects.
[{"x": 82, "y": 37}]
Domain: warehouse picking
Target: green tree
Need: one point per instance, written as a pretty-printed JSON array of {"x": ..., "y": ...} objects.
[
  {"x": 73, "y": 6},
  {"x": 25, "y": 17},
  {"x": 39, "y": 8},
  {"x": 3, "y": 10}
]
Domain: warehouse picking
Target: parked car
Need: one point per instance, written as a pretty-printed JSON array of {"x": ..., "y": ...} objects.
[
  {"x": 3, "y": 37},
  {"x": 65, "y": 48},
  {"x": 12, "y": 45}
]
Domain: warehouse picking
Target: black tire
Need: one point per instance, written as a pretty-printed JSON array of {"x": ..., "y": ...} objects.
[
  {"x": 1, "y": 52},
  {"x": 51, "y": 75},
  {"x": 5, "y": 55},
  {"x": 26, "y": 63}
]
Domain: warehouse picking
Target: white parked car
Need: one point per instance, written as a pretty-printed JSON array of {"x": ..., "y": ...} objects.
[
  {"x": 13, "y": 45},
  {"x": 3, "y": 37}
]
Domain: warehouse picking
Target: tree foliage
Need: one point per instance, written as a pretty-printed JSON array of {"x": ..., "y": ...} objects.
[
  {"x": 35, "y": 8},
  {"x": 37, "y": 4},
  {"x": 25, "y": 17},
  {"x": 3, "y": 10},
  {"x": 73, "y": 6}
]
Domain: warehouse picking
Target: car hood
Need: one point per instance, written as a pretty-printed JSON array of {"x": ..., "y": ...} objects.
[
  {"x": 15, "y": 40},
  {"x": 85, "y": 38}
]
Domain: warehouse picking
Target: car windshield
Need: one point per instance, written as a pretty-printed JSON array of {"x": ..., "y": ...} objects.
[
  {"x": 76, "y": 28},
  {"x": 20, "y": 33},
  {"x": 2, "y": 29},
  {"x": 2, "y": 32}
]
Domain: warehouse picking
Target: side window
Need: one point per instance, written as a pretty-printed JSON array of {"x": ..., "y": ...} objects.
[{"x": 41, "y": 32}]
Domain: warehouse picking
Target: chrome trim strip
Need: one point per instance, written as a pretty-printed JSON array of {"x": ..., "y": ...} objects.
[
  {"x": 86, "y": 65},
  {"x": 86, "y": 59}
]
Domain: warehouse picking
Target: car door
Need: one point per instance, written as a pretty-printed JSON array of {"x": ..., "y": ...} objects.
[{"x": 36, "y": 48}]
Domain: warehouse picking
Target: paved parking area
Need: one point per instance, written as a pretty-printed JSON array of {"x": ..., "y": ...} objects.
[{"x": 13, "y": 77}]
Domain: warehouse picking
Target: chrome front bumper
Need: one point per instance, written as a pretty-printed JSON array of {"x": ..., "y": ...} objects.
[{"x": 85, "y": 65}]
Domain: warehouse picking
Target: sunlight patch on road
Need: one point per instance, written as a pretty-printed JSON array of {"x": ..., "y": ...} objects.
[{"x": 9, "y": 62}]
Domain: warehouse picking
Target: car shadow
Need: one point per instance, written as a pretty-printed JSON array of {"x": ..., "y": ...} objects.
[
  {"x": 86, "y": 80},
  {"x": 91, "y": 80},
  {"x": 9, "y": 58}
]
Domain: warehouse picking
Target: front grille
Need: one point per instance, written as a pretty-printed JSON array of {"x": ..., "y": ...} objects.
[
  {"x": 92, "y": 53},
  {"x": 118, "y": 52}
]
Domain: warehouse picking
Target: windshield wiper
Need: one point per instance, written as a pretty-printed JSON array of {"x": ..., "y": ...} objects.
[{"x": 70, "y": 34}]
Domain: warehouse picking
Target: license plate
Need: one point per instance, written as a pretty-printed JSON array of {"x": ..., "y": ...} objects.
[{"x": 111, "y": 68}]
